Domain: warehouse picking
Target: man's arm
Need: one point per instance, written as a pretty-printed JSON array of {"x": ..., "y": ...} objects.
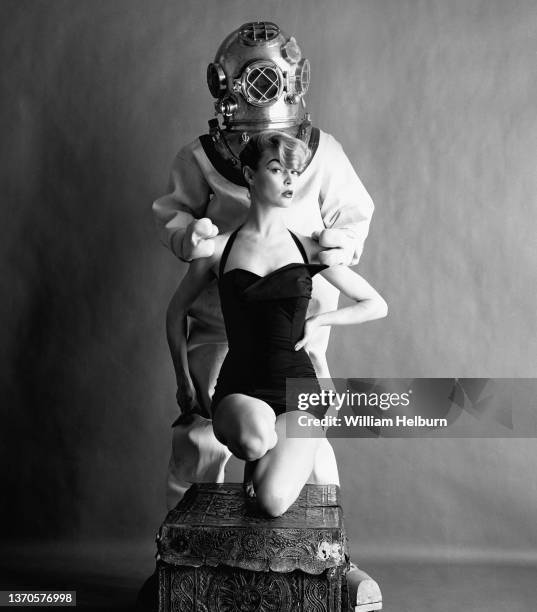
[
  {"x": 345, "y": 206},
  {"x": 189, "y": 194}
]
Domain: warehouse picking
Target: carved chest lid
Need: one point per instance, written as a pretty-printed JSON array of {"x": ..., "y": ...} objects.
[{"x": 218, "y": 525}]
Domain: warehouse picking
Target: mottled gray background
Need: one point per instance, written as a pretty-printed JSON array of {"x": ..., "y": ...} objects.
[{"x": 434, "y": 103}]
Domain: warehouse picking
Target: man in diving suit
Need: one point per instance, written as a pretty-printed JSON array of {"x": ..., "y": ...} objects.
[{"x": 258, "y": 78}]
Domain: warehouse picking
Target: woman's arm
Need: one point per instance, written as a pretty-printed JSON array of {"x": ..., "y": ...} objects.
[
  {"x": 369, "y": 303},
  {"x": 199, "y": 275}
]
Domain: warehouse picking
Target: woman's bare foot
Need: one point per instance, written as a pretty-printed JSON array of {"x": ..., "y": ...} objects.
[{"x": 247, "y": 484}]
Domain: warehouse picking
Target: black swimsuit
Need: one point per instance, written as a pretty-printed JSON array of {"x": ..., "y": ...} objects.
[{"x": 264, "y": 318}]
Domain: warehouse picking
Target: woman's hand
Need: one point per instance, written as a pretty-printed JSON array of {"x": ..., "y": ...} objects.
[
  {"x": 186, "y": 395},
  {"x": 309, "y": 331}
]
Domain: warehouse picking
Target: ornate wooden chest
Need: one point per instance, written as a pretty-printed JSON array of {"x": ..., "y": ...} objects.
[{"x": 217, "y": 553}]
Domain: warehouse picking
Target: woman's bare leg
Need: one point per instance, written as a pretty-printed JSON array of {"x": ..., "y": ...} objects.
[
  {"x": 246, "y": 425},
  {"x": 278, "y": 465},
  {"x": 282, "y": 472},
  {"x": 324, "y": 467},
  {"x": 324, "y": 470},
  {"x": 247, "y": 479}
]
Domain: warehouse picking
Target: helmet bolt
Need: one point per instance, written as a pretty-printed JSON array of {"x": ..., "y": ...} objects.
[{"x": 226, "y": 107}]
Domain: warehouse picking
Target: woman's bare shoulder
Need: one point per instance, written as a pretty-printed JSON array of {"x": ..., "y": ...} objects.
[{"x": 220, "y": 242}]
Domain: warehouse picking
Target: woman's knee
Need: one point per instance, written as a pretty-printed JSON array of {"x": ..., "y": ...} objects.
[
  {"x": 245, "y": 426},
  {"x": 252, "y": 445}
]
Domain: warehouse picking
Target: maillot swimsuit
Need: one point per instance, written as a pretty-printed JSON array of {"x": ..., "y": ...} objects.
[{"x": 264, "y": 318}]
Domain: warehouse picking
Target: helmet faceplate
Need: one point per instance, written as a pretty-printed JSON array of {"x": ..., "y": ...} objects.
[{"x": 258, "y": 78}]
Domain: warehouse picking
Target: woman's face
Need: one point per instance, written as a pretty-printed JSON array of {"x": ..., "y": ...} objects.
[{"x": 272, "y": 183}]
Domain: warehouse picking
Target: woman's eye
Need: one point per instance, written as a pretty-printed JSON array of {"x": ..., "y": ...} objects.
[
  {"x": 275, "y": 170},
  {"x": 295, "y": 172}
]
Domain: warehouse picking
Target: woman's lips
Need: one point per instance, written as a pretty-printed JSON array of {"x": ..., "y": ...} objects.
[{"x": 287, "y": 194}]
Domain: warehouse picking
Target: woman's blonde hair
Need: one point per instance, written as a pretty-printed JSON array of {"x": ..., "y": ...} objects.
[{"x": 291, "y": 152}]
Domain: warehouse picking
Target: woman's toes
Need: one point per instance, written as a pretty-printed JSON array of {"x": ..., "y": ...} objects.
[{"x": 248, "y": 488}]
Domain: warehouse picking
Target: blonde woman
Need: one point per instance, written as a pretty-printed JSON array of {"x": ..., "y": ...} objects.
[{"x": 264, "y": 278}]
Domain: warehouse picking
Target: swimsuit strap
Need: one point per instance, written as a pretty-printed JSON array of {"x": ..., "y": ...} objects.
[
  {"x": 300, "y": 247},
  {"x": 226, "y": 251}
]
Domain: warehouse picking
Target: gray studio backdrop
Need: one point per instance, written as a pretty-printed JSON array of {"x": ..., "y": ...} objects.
[{"x": 434, "y": 103}]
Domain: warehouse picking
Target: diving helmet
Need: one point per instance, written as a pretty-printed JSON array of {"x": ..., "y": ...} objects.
[{"x": 259, "y": 78}]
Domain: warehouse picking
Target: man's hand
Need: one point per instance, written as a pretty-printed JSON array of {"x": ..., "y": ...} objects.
[
  {"x": 338, "y": 246},
  {"x": 198, "y": 239}
]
